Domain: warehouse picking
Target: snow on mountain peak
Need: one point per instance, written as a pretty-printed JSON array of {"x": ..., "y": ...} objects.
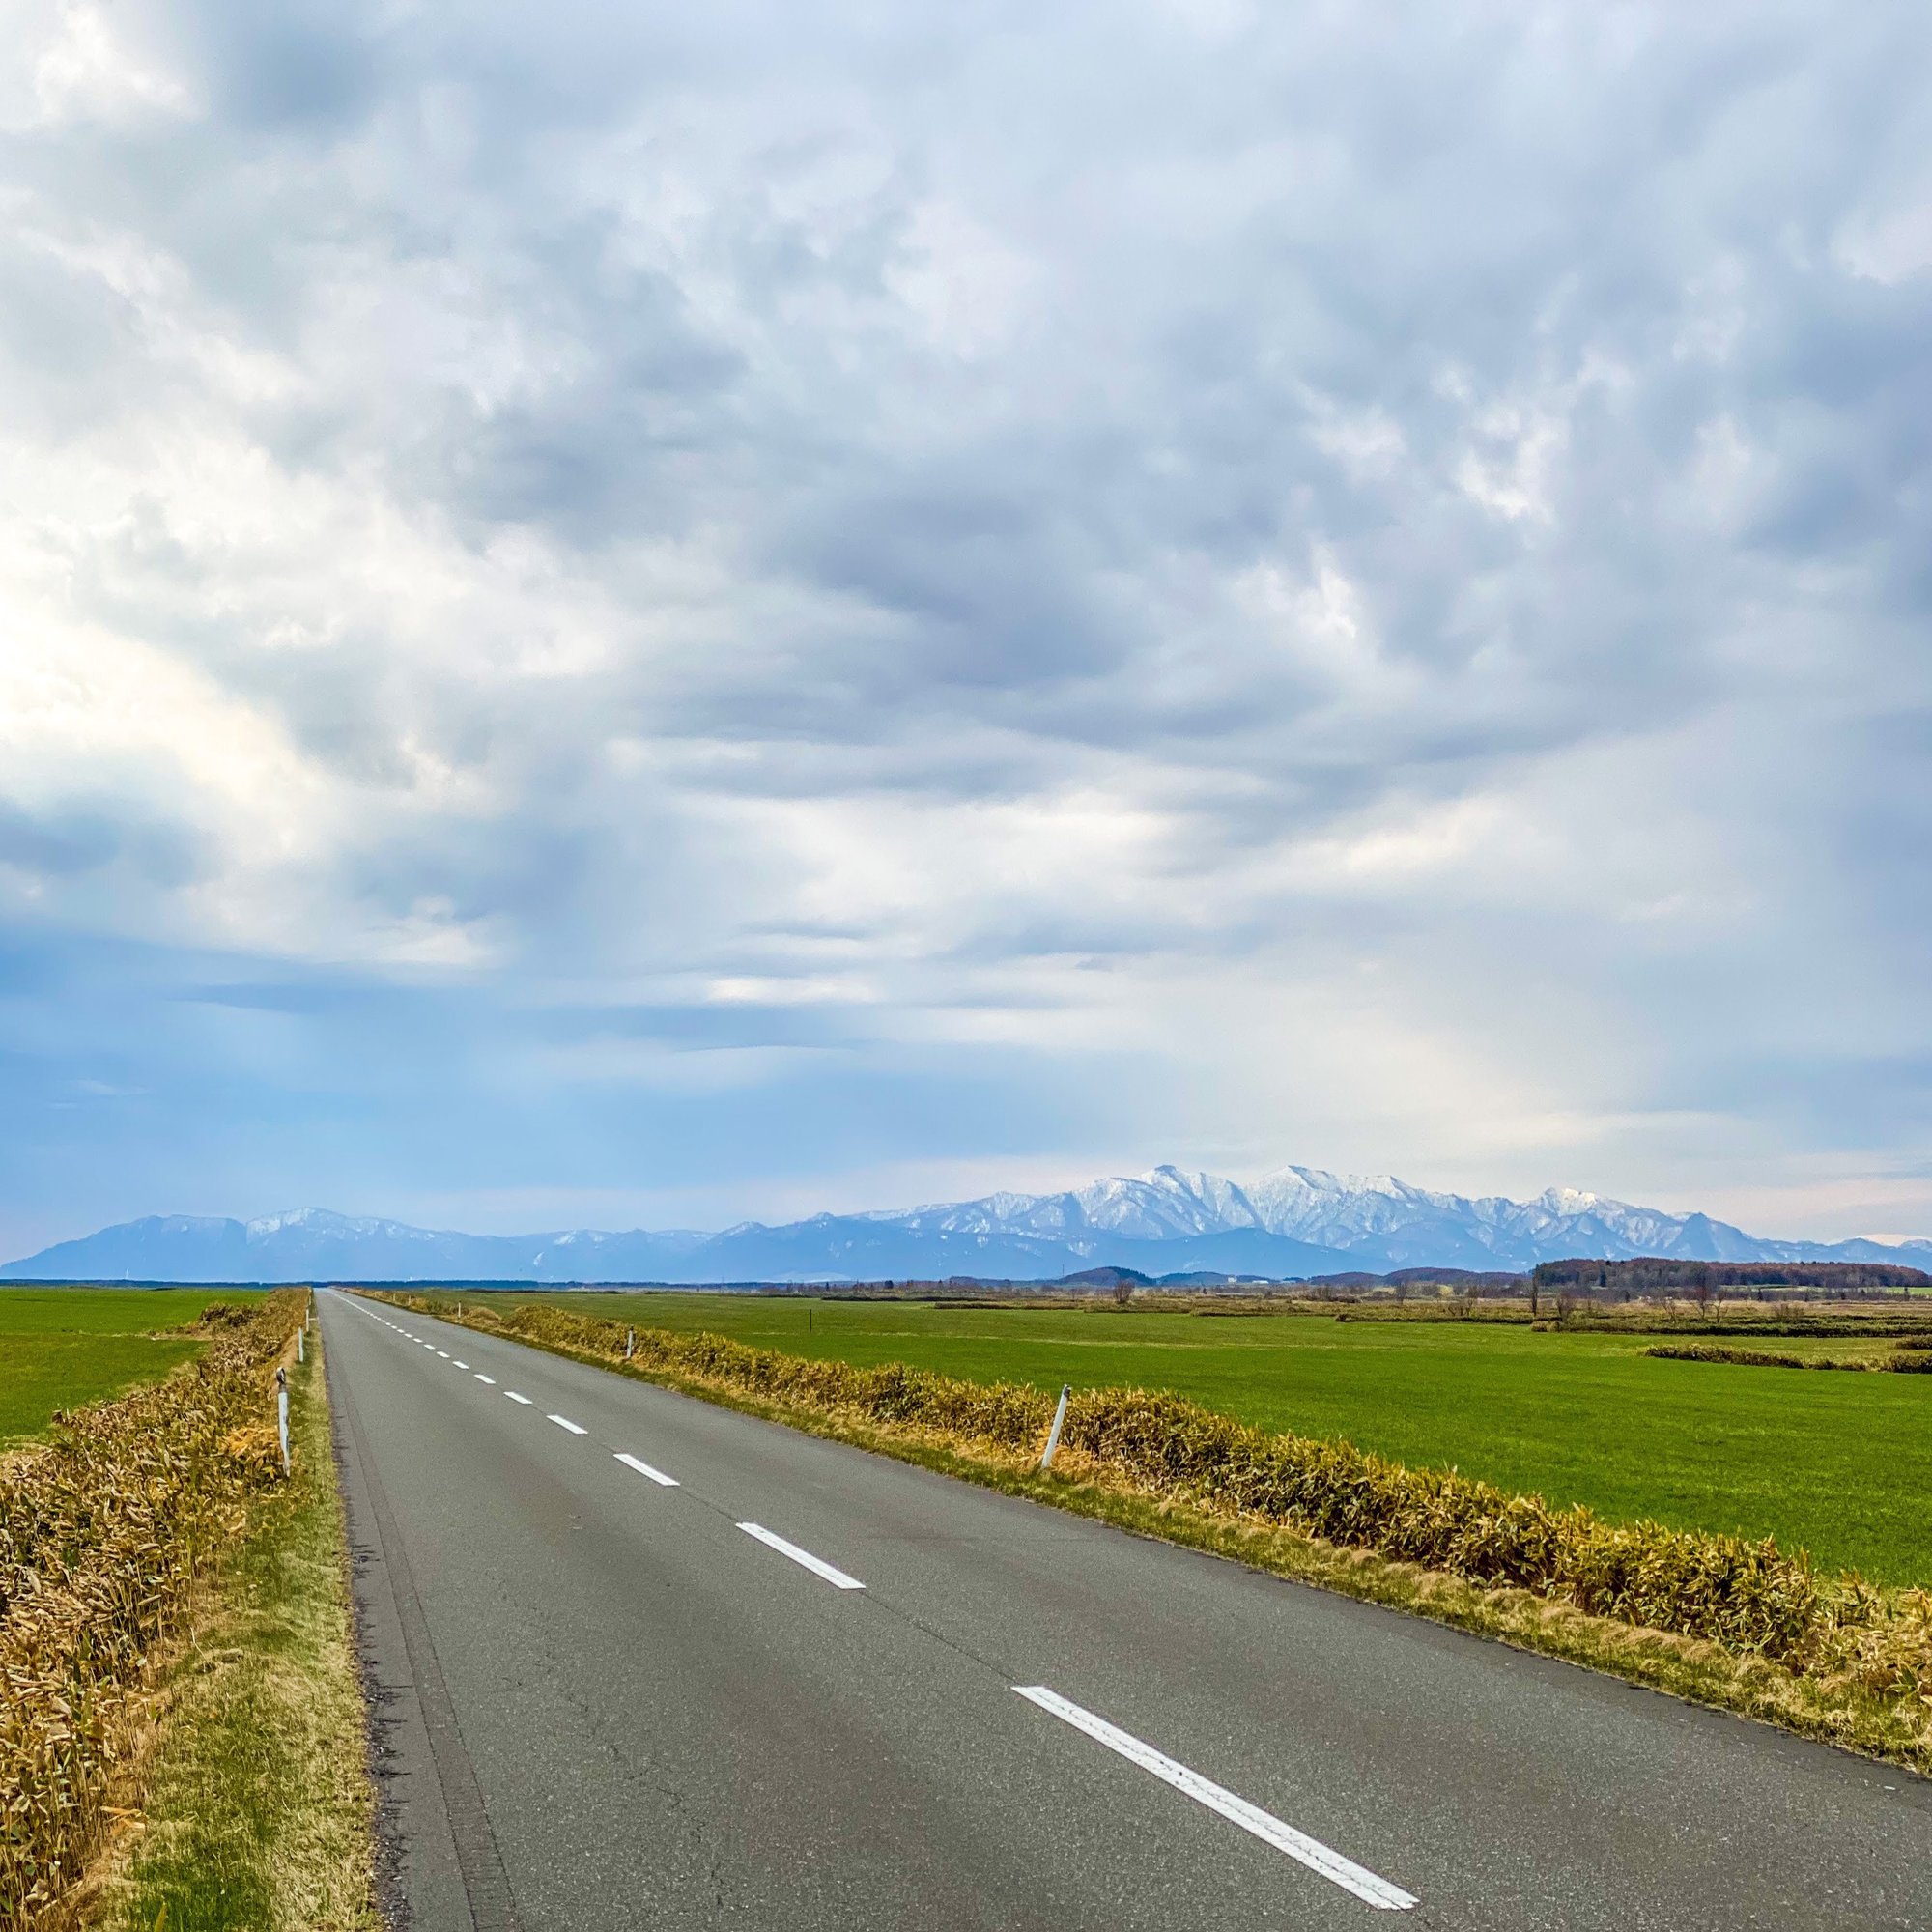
[
  {"x": 327, "y": 1222},
  {"x": 1573, "y": 1201},
  {"x": 264, "y": 1225},
  {"x": 1164, "y": 1202}
]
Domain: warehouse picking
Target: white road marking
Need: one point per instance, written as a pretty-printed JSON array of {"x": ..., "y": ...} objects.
[
  {"x": 645, "y": 1469},
  {"x": 515, "y": 1397},
  {"x": 444, "y": 1353},
  {"x": 575, "y": 1428},
  {"x": 837, "y": 1579},
  {"x": 482, "y": 1378},
  {"x": 1299, "y": 1845},
  {"x": 459, "y": 1365}
]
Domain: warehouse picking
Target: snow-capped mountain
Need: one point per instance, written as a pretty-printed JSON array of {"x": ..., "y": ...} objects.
[
  {"x": 1294, "y": 1223},
  {"x": 1154, "y": 1206},
  {"x": 1416, "y": 1226}
]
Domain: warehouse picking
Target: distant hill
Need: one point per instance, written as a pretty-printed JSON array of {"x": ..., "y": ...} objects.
[{"x": 1294, "y": 1224}]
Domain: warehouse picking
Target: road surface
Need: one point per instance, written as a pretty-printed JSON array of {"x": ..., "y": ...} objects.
[{"x": 641, "y": 1661}]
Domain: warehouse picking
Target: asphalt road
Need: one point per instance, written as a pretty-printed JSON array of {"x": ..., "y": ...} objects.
[{"x": 607, "y": 1701}]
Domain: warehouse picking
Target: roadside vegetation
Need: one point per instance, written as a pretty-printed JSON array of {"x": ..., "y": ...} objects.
[
  {"x": 62, "y": 1348},
  {"x": 256, "y": 1807},
  {"x": 113, "y": 1536},
  {"x": 1744, "y": 1623},
  {"x": 1836, "y": 1464}
]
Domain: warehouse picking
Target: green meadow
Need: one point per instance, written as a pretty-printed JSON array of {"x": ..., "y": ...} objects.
[
  {"x": 63, "y": 1347},
  {"x": 1839, "y": 1465}
]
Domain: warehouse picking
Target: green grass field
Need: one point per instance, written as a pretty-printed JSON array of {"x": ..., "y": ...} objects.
[
  {"x": 1839, "y": 1465},
  {"x": 63, "y": 1347}
]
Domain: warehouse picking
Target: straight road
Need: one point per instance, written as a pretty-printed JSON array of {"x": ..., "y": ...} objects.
[{"x": 644, "y": 1662}]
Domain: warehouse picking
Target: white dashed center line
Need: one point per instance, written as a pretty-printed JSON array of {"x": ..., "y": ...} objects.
[
  {"x": 444, "y": 1353},
  {"x": 1311, "y": 1852},
  {"x": 564, "y": 1422},
  {"x": 482, "y": 1378},
  {"x": 645, "y": 1469},
  {"x": 515, "y": 1397},
  {"x": 837, "y": 1579}
]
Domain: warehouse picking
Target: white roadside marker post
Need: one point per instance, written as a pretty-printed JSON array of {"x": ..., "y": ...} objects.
[
  {"x": 282, "y": 1413},
  {"x": 301, "y": 1335},
  {"x": 630, "y": 1342},
  {"x": 1053, "y": 1435}
]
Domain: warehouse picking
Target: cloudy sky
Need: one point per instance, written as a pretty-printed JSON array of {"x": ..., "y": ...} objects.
[{"x": 656, "y": 615}]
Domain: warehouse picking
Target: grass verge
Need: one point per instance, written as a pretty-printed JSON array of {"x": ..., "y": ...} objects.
[
  {"x": 1861, "y": 1680},
  {"x": 255, "y": 1800}
]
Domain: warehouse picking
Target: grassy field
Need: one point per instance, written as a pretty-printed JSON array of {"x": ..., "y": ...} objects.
[
  {"x": 63, "y": 1347},
  {"x": 1839, "y": 1465}
]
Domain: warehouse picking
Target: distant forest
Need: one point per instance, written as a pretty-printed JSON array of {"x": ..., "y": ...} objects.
[{"x": 1657, "y": 1276}]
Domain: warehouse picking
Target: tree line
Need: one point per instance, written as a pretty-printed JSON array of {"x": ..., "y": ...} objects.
[{"x": 1653, "y": 1275}]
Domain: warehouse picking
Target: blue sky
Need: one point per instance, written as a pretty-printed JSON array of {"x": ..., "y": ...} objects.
[{"x": 663, "y": 614}]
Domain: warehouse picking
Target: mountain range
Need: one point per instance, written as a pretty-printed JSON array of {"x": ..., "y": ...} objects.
[{"x": 1294, "y": 1223}]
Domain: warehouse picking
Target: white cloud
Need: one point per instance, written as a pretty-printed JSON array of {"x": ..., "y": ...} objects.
[
  {"x": 70, "y": 65},
  {"x": 1348, "y": 576}
]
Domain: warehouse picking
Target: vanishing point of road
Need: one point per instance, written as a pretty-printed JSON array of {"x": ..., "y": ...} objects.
[{"x": 639, "y": 1661}]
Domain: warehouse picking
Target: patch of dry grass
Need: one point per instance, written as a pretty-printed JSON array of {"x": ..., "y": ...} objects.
[
  {"x": 256, "y": 1809},
  {"x": 105, "y": 1536}
]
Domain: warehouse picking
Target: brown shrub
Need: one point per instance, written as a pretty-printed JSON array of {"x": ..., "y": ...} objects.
[
  {"x": 99, "y": 1539},
  {"x": 1750, "y": 1358}
]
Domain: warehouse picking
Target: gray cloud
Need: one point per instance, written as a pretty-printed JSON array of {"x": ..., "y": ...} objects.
[{"x": 1401, "y": 540}]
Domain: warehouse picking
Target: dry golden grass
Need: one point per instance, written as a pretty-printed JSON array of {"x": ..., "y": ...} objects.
[
  {"x": 103, "y": 1537},
  {"x": 256, "y": 1809}
]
